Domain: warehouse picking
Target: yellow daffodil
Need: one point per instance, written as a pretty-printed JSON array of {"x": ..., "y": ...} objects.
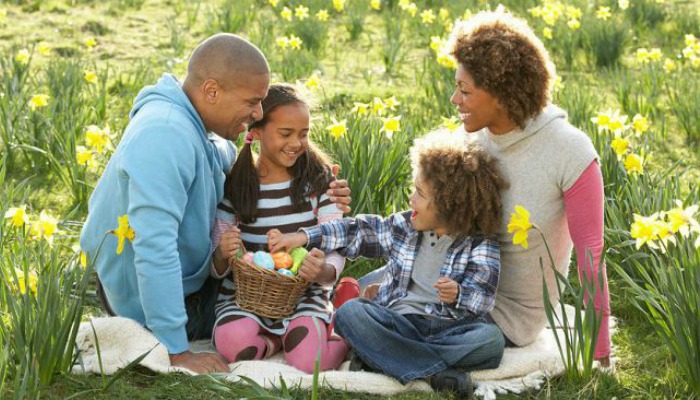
[
  {"x": 322, "y": 15},
  {"x": 273, "y": 3},
  {"x": 45, "y": 227},
  {"x": 669, "y": 65},
  {"x": 451, "y": 123},
  {"x": 634, "y": 164},
  {"x": 573, "y": 24},
  {"x": 339, "y": 5},
  {"x": 90, "y": 43},
  {"x": 645, "y": 230},
  {"x": 611, "y": 120},
  {"x": 427, "y": 17},
  {"x": 620, "y": 145},
  {"x": 17, "y": 215},
  {"x": 3, "y": 14},
  {"x": 536, "y": 12},
  {"x": 378, "y": 106},
  {"x": 444, "y": 14},
  {"x": 29, "y": 281},
  {"x": 520, "y": 224},
  {"x": 83, "y": 259},
  {"x": 282, "y": 42},
  {"x": 38, "y": 101},
  {"x": 295, "y": 42},
  {"x": 44, "y": 49},
  {"x": 682, "y": 220},
  {"x": 655, "y": 54},
  {"x": 446, "y": 60},
  {"x": 123, "y": 232},
  {"x": 623, "y": 4},
  {"x": 403, "y": 4},
  {"x": 375, "y": 4},
  {"x": 337, "y": 129},
  {"x": 286, "y": 14},
  {"x": 313, "y": 82},
  {"x": 640, "y": 124},
  {"x": 301, "y": 12},
  {"x": 360, "y": 108},
  {"x": 436, "y": 43},
  {"x": 412, "y": 9},
  {"x": 84, "y": 156},
  {"x": 642, "y": 55},
  {"x": 391, "y": 124},
  {"x": 573, "y": 12},
  {"x": 689, "y": 39},
  {"x": 22, "y": 56},
  {"x": 547, "y": 32},
  {"x": 603, "y": 13},
  {"x": 90, "y": 76},
  {"x": 558, "y": 84},
  {"x": 97, "y": 138},
  {"x": 391, "y": 102}
]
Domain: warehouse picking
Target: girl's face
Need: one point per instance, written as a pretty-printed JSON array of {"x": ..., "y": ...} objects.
[
  {"x": 284, "y": 137},
  {"x": 425, "y": 215},
  {"x": 477, "y": 108}
]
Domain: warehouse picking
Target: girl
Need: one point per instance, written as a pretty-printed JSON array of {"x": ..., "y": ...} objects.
[{"x": 278, "y": 190}]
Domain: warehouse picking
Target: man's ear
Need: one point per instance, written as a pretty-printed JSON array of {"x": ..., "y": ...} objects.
[{"x": 211, "y": 91}]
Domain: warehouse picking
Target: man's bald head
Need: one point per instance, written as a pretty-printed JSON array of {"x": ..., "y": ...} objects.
[{"x": 227, "y": 58}]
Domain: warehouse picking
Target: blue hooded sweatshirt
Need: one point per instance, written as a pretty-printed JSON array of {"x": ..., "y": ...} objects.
[{"x": 167, "y": 175}]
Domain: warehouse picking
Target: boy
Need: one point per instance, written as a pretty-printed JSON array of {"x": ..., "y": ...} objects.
[{"x": 427, "y": 318}]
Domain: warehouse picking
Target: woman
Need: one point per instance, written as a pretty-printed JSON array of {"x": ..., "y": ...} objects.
[{"x": 502, "y": 91}]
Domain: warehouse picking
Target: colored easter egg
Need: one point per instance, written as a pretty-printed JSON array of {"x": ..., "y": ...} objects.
[
  {"x": 285, "y": 271},
  {"x": 248, "y": 257},
  {"x": 282, "y": 260},
  {"x": 263, "y": 260},
  {"x": 298, "y": 256}
]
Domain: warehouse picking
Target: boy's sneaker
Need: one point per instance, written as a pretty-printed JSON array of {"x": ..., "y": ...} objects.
[
  {"x": 453, "y": 380},
  {"x": 356, "y": 363}
]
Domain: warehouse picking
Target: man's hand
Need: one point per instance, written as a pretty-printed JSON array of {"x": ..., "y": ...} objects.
[
  {"x": 315, "y": 269},
  {"x": 200, "y": 363},
  {"x": 370, "y": 291},
  {"x": 447, "y": 290},
  {"x": 339, "y": 192},
  {"x": 276, "y": 241}
]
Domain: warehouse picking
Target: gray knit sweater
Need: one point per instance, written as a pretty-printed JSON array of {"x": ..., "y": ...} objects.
[{"x": 540, "y": 162}]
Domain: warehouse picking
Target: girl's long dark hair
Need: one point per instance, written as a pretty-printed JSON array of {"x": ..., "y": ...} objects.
[{"x": 311, "y": 172}]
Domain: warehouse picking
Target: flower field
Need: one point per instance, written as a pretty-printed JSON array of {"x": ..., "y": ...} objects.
[{"x": 381, "y": 75}]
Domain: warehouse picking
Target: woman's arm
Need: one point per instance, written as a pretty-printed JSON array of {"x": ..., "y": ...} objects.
[{"x": 584, "y": 213}]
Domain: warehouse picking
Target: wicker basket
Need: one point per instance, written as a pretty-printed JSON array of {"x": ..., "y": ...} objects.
[{"x": 265, "y": 292}]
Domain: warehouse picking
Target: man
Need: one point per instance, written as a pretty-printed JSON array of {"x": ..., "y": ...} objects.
[{"x": 167, "y": 176}]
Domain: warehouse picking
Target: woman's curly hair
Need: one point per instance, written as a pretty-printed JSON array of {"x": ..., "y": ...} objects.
[
  {"x": 506, "y": 59},
  {"x": 465, "y": 180}
]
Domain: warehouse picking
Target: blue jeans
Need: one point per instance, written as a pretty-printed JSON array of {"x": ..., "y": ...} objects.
[{"x": 410, "y": 347}]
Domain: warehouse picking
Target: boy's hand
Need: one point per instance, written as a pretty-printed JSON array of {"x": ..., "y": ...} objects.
[
  {"x": 315, "y": 269},
  {"x": 447, "y": 290},
  {"x": 276, "y": 241},
  {"x": 229, "y": 244},
  {"x": 339, "y": 192},
  {"x": 370, "y": 291}
]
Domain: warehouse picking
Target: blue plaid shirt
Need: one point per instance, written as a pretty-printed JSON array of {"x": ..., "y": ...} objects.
[{"x": 472, "y": 261}]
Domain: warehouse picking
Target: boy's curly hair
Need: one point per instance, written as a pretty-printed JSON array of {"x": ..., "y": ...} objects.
[
  {"x": 465, "y": 179},
  {"x": 506, "y": 59}
]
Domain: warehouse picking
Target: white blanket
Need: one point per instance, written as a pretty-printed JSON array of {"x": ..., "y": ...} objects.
[{"x": 122, "y": 340}]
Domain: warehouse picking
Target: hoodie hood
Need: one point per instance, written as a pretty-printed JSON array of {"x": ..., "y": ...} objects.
[
  {"x": 550, "y": 115},
  {"x": 167, "y": 89}
]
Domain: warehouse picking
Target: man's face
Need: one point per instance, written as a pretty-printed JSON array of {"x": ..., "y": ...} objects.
[{"x": 236, "y": 107}]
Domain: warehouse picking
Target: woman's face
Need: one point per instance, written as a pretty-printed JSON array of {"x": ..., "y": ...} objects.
[{"x": 477, "y": 108}]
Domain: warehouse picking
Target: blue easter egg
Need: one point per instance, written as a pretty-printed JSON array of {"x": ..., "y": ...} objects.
[
  {"x": 285, "y": 271},
  {"x": 263, "y": 260}
]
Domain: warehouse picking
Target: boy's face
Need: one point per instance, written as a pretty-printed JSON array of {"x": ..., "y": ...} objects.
[{"x": 425, "y": 216}]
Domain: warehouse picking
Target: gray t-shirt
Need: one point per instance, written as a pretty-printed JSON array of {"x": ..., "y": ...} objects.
[{"x": 426, "y": 271}]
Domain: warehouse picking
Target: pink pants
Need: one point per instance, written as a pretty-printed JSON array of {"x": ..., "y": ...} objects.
[{"x": 244, "y": 339}]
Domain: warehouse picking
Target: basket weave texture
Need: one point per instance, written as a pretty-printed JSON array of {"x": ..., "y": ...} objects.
[{"x": 264, "y": 292}]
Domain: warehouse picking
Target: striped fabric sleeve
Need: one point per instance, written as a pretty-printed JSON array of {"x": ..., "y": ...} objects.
[{"x": 333, "y": 258}]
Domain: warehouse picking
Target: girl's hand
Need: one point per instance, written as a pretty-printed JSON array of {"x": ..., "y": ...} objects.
[
  {"x": 447, "y": 290},
  {"x": 370, "y": 291},
  {"x": 229, "y": 246},
  {"x": 276, "y": 241},
  {"x": 315, "y": 269},
  {"x": 339, "y": 192}
]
